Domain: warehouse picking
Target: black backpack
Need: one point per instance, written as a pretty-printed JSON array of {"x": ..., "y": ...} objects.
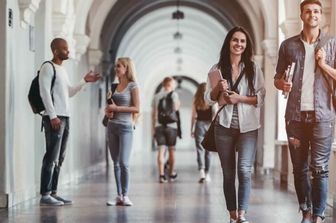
[
  {"x": 34, "y": 96},
  {"x": 166, "y": 112}
]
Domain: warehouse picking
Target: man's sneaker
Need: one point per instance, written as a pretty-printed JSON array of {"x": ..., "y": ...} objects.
[
  {"x": 127, "y": 201},
  {"x": 47, "y": 200},
  {"x": 162, "y": 179},
  {"x": 118, "y": 201},
  {"x": 207, "y": 177},
  {"x": 201, "y": 176},
  {"x": 65, "y": 201},
  {"x": 173, "y": 177}
]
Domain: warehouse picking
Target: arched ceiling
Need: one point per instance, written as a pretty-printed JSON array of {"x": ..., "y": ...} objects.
[
  {"x": 143, "y": 30},
  {"x": 150, "y": 43}
]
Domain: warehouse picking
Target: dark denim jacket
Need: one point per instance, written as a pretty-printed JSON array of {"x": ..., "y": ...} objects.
[{"x": 292, "y": 50}]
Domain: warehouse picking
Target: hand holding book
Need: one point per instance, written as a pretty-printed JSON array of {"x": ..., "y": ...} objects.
[{"x": 288, "y": 77}]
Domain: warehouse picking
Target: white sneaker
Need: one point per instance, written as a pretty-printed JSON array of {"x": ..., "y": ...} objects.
[
  {"x": 201, "y": 176},
  {"x": 118, "y": 201},
  {"x": 127, "y": 201},
  {"x": 207, "y": 177}
]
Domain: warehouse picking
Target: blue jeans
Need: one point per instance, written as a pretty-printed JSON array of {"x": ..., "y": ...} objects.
[
  {"x": 228, "y": 142},
  {"x": 120, "y": 137},
  {"x": 56, "y": 141},
  {"x": 203, "y": 156},
  {"x": 318, "y": 136}
]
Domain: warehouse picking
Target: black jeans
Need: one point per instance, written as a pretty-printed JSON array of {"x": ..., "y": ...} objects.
[{"x": 56, "y": 141}]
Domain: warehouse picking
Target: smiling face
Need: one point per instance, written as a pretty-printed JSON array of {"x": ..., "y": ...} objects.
[
  {"x": 120, "y": 69},
  {"x": 311, "y": 15},
  {"x": 238, "y": 43}
]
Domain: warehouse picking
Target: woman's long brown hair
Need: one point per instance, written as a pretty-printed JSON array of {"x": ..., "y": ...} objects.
[{"x": 199, "y": 102}]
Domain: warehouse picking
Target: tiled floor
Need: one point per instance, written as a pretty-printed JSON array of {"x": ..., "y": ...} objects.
[{"x": 184, "y": 201}]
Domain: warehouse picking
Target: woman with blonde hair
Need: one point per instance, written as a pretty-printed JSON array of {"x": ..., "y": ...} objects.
[
  {"x": 201, "y": 117},
  {"x": 126, "y": 103}
]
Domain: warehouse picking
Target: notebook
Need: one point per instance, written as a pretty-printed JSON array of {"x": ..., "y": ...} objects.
[{"x": 214, "y": 77}]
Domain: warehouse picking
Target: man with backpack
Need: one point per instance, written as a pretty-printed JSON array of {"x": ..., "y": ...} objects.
[
  {"x": 165, "y": 126},
  {"x": 55, "y": 119}
]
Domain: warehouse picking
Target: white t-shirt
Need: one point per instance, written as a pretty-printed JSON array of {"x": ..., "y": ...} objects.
[
  {"x": 61, "y": 90},
  {"x": 307, "y": 93}
]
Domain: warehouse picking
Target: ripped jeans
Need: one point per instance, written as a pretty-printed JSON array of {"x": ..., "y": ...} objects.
[{"x": 318, "y": 136}]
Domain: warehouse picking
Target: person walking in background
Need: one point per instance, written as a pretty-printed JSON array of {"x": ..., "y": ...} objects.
[
  {"x": 55, "y": 119},
  {"x": 201, "y": 117},
  {"x": 236, "y": 129},
  {"x": 309, "y": 113},
  {"x": 121, "y": 113},
  {"x": 165, "y": 128}
]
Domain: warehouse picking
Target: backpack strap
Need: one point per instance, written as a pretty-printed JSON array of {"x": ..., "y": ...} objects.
[
  {"x": 51, "y": 87},
  {"x": 53, "y": 79}
]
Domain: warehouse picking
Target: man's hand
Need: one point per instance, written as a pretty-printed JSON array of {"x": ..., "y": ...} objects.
[
  {"x": 92, "y": 77},
  {"x": 193, "y": 134},
  {"x": 320, "y": 57},
  {"x": 55, "y": 123},
  {"x": 282, "y": 84}
]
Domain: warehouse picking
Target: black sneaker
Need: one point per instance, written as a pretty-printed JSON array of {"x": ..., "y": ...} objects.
[
  {"x": 173, "y": 177},
  {"x": 162, "y": 179}
]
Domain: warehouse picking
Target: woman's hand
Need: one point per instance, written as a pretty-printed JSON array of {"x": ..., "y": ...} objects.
[
  {"x": 222, "y": 85},
  {"x": 111, "y": 108},
  {"x": 231, "y": 97}
]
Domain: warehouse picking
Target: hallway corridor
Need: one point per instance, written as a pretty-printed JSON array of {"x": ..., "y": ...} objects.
[{"x": 184, "y": 201}]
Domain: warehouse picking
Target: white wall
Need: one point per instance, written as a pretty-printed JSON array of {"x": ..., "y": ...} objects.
[
  {"x": 3, "y": 169},
  {"x": 22, "y": 144}
]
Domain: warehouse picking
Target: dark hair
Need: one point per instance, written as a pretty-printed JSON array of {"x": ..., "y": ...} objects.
[
  {"x": 55, "y": 42},
  {"x": 306, "y": 2},
  {"x": 224, "y": 63}
]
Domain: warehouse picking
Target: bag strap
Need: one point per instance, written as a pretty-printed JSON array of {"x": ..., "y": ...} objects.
[
  {"x": 113, "y": 87},
  {"x": 51, "y": 87},
  {"x": 54, "y": 76},
  {"x": 234, "y": 87}
]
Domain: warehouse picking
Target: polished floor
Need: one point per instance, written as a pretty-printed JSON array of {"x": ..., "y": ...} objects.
[{"x": 184, "y": 201}]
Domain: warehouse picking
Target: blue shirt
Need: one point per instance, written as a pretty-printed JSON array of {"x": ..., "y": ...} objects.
[{"x": 292, "y": 50}]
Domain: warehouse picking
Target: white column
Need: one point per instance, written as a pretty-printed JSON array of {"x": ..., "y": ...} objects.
[
  {"x": 63, "y": 22},
  {"x": 27, "y": 10},
  {"x": 82, "y": 42},
  {"x": 292, "y": 24},
  {"x": 270, "y": 108},
  {"x": 95, "y": 57},
  {"x": 332, "y": 30},
  {"x": 3, "y": 107}
]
